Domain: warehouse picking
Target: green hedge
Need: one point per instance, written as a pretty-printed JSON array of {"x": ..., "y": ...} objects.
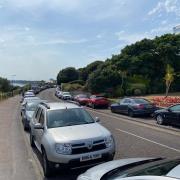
[{"x": 72, "y": 87}]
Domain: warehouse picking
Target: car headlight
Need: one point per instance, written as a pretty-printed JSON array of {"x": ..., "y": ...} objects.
[
  {"x": 109, "y": 141},
  {"x": 65, "y": 149}
]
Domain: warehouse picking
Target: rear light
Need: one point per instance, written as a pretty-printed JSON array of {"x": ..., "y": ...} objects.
[{"x": 139, "y": 106}]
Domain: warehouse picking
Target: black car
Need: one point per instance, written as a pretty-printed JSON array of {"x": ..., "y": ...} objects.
[
  {"x": 168, "y": 116},
  {"x": 134, "y": 106}
]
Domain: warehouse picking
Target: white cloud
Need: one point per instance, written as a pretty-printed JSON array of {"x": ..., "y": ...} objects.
[
  {"x": 87, "y": 9},
  {"x": 129, "y": 38},
  {"x": 167, "y": 6}
]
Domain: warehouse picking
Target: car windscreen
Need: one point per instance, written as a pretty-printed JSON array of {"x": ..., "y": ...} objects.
[
  {"x": 66, "y": 94},
  {"x": 141, "y": 101},
  {"x": 68, "y": 117}
]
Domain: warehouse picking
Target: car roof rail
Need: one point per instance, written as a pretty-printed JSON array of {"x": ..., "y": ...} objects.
[
  {"x": 45, "y": 104},
  {"x": 74, "y": 102}
]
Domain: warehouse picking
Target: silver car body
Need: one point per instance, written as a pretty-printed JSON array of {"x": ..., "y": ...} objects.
[
  {"x": 27, "y": 114},
  {"x": 147, "y": 178},
  {"x": 97, "y": 172},
  {"x": 78, "y": 136},
  {"x": 66, "y": 95}
]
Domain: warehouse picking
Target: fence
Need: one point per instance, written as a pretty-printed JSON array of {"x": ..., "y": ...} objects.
[{"x": 8, "y": 94}]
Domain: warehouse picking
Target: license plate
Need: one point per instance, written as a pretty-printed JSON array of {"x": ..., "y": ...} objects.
[{"x": 90, "y": 157}]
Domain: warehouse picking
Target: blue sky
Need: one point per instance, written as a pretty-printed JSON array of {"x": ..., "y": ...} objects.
[{"x": 40, "y": 37}]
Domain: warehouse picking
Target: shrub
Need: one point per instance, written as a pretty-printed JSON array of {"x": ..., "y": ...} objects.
[
  {"x": 165, "y": 101},
  {"x": 72, "y": 87},
  {"x": 129, "y": 92},
  {"x": 118, "y": 92},
  {"x": 81, "y": 82},
  {"x": 137, "y": 92}
]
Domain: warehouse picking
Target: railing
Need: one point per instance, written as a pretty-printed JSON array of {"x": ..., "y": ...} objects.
[{"x": 8, "y": 94}]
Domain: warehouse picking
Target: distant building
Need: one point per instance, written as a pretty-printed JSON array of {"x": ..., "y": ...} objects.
[{"x": 176, "y": 29}]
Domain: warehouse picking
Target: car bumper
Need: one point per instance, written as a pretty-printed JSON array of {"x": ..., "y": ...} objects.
[
  {"x": 67, "y": 98},
  {"x": 73, "y": 161},
  {"x": 76, "y": 164}
]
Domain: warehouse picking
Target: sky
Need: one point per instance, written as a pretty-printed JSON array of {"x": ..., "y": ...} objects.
[{"x": 38, "y": 38}]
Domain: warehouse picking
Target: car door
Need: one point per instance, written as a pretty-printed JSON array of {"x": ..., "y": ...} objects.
[
  {"x": 35, "y": 121},
  {"x": 117, "y": 107},
  {"x": 124, "y": 105},
  {"x": 91, "y": 100},
  {"x": 40, "y": 132},
  {"x": 174, "y": 115}
]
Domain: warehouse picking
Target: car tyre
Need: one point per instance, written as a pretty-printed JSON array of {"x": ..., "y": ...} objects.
[
  {"x": 93, "y": 106},
  {"x": 32, "y": 140},
  {"x": 47, "y": 167},
  {"x": 159, "y": 119},
  {"x": 130, "y": 113}
]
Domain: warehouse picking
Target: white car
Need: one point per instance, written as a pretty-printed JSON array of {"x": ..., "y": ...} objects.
[
  {"x": 66, "y": 96},
  {"x": 132, "y": 167},
  {"x": 67, "y": 136}
]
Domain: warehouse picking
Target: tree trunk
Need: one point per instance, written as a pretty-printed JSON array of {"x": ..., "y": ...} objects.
[{"x": 167, "y": 89}]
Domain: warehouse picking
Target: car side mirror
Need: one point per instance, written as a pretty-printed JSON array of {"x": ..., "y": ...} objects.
[
  {"x": 169, "y": 110},
  {"x": 38, "y": 126},
  {"x": 97, "y": 119}
]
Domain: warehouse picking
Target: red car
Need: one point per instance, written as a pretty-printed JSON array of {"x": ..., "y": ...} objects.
[
  {"x": 82, "y": 99},
  {"x": 98, "y": 101}
]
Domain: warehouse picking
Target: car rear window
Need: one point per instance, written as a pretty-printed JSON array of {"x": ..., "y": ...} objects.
[{"x": 141, "y": 101}]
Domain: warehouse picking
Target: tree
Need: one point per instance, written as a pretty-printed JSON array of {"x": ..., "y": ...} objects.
[
  {"x": 123, "y": 76},
  {"x": 5, "y": 85},
  {"x": 90, "y": 68},
  {"x": 67, "y": 75},
  {"x": 169, "y": 77}
]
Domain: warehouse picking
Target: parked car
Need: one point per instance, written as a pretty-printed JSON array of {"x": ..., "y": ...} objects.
[
  {"x": 168, "y": 116},
  {"x": 98, "y": 101},
  {"x": 27, "y": 113},
  {"x": 66, "y": 96},
  {"x": 148, "y": 178},
  {"x": 27, "y": 100},
  {"x": 82, "y": 99},
  {"x": 26, "y": 95},
  {"x": 59, "y": 94},
  {"x": 133, "y": 167},
  {"x": 133, "y": 106},
  {"x": 31, "y": 91},
  {"x": 67, "y": 136}
]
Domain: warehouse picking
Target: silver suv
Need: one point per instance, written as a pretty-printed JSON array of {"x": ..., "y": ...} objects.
[{"x": 67, "y": 136}]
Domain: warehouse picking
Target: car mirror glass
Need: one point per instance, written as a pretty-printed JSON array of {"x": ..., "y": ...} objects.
[
  {"x": 169, "y": 110},
  {"x": 97, "y": 119}
]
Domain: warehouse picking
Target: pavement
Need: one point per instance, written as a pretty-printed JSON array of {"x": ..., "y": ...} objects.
[
  {"x": 15, "y": 161},
  {"x": 133, "y": 139}
]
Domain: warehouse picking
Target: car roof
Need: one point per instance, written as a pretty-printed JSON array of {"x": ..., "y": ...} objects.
[
  {"x": 60, "y": 105},
  {"x": 32, "y": 98},
  {"x": 36, "y": 101}
]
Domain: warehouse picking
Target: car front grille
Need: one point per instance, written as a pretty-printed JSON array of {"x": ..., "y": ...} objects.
[{"x": 83, "y": 148}]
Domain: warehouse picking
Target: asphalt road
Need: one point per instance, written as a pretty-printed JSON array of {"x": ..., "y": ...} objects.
[{"x": 133, "y": 139}]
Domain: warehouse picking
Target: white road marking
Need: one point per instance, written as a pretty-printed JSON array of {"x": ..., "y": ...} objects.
[{"x": 154, "y": 142}]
